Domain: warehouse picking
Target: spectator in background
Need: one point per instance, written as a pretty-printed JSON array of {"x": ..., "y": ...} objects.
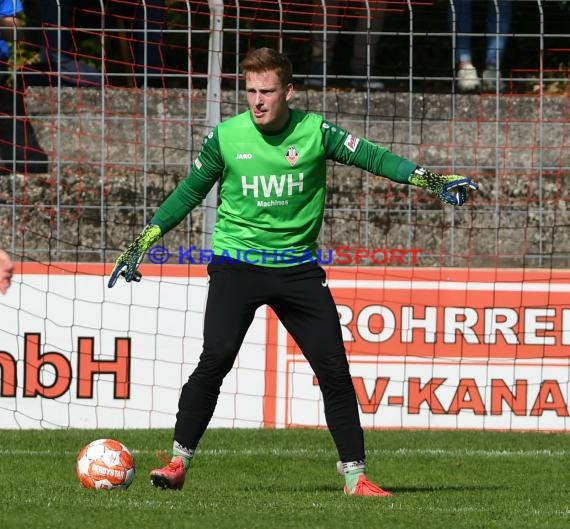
[
  {"x": 467, "y": 78},
  {"x": 65, "y": 23},
  {"x": 19, "y": 147},
  {"x": 346, "y": 54},
  {"x": 59, "y": 23},
  {"x": 6, "y": 269},
  {"x": 137, "y": 17}
]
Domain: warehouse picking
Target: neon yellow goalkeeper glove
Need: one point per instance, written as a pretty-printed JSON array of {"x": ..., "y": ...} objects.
[
  {"x": 451, "y": 189},
  {"x": 133, "y": 255}
]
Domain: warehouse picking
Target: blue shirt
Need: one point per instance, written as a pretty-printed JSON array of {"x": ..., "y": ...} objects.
[{"x": 8, "y": 8}]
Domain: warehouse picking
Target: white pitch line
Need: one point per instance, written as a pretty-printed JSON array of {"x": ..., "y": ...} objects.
[{"x": 257, "y": 452}]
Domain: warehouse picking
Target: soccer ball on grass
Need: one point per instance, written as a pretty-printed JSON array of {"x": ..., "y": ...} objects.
[{"x": 105, "y": 464}]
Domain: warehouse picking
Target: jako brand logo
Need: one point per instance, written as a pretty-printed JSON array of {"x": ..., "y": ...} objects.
[{"x": 244, "y": 156}]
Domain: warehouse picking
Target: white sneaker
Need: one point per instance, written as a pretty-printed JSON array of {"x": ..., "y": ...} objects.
[
  {"x": 467, "y": 78},
  {"x": 490, "y": 78}
]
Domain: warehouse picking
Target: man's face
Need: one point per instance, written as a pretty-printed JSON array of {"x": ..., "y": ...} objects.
[{"x": 268, "y": 100}]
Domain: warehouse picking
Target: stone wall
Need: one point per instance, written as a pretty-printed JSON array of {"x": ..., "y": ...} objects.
[{"x": 115, "y": 155}]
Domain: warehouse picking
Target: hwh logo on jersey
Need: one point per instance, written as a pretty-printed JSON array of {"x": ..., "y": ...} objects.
[{"x": 272, "y": 185}]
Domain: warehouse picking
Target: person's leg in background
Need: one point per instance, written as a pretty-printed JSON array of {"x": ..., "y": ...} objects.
[
  {"x": 347, "y": 44},
  {"x": 20, "y": 150},
  {"x": 326, "y": 21},
  {"x": 61, "y": 21},
  {"x": 365, "y": 46},
  {"x": 140, "y": 40},
  {"x": 460, "y": 12},
  {"x": 498, "y": 17},
  {"x": 151, "y": 43},
  {"x": 33, "y": 40}
]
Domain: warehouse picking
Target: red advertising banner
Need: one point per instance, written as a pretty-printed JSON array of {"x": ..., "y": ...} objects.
[
  {"x": 440, "y": 348},
  {"x": 428, "y": 348}
]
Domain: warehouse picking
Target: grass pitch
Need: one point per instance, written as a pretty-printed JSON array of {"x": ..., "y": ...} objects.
[{"x": 277, "y": 479}]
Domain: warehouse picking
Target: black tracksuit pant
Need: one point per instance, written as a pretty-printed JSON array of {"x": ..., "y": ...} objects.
[{"x": 302, "y": 300}]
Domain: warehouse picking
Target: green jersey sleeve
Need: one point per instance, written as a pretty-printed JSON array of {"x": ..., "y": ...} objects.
[
  {"x": 346, "y": 148},
  {"x": 206, "y": 169}
]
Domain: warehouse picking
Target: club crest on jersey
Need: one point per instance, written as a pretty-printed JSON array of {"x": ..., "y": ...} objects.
[{"x": 292, "y": 155}]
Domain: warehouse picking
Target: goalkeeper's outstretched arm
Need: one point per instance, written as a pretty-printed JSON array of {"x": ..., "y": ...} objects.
[
  {"x": 341, "y": 146},
  {"x": 204, "y": 172}
]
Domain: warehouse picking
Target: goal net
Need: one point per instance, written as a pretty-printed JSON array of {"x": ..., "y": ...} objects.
[{"x": 452, "y": 318}]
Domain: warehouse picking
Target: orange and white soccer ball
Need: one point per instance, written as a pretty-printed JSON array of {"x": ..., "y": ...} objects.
[{"x": 105, "y": 464}]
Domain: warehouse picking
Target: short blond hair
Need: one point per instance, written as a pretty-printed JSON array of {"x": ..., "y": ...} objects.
[{"x": 268, "y": 60}]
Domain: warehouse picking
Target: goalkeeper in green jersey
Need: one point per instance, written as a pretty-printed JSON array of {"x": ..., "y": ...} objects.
[{"x": 270, "y": 162}]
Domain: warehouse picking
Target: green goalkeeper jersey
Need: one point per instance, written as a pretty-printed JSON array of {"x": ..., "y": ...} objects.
[{"x": 272, "y": 186}]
